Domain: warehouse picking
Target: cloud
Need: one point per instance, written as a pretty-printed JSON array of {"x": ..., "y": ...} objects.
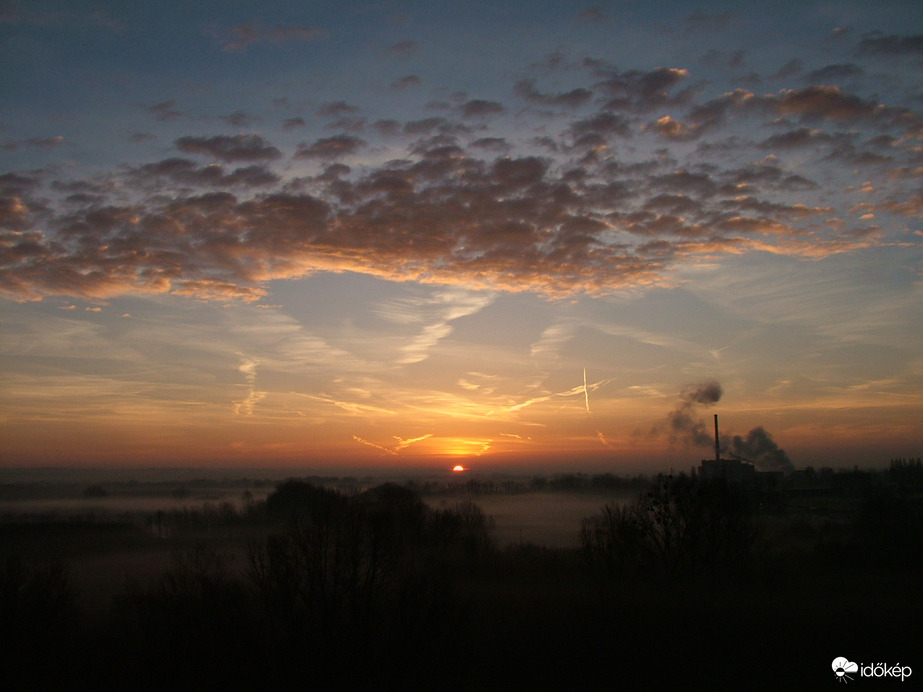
[
  {"x": 668, "y": 128},
  {"x": 246, "y": 405},
  {"x": 433, "y": 316},
  {"x": 334, "y": 147},
  {"x": 890, "y": 45},
  {"x": 723, "y": 59},
  {"x": 792, "y": 68},
  {"x": 240, "y": 118},
  {"x": 586, "y": 200},
  {"x": 834, "y": 73},
  {"x": 636, "y": 90},
  {"x": 496, "y": 144},
  {"x": 164, "y": 111},
  {"x": 403, "y": 49},
  {"x": 14, "y": 214},
  {"x": 241, "y": 36},
  {"x": 37, "y": 142},
  {"x": 184, "y": 171},
  {"x": 795, "y": 139},
  {"x": 230, "y": 148},
  {"x": 823, "y": 102},
  {"x": 337, "y": 109},
  {"x": 479, "y": 108},
  {"x": 406, "y": 82},
  {"x": 571, "y": 99}
]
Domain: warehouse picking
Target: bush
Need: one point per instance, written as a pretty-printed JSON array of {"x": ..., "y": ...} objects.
[
  {"x": 358, "y": 578},
  {"x": 343, "y": 591},
  {"x": 682, "y": 527},
  {"x": 888, "y": 531},
  {"x": 194, "y": 625},
  {"x": 37, "y": 619}
]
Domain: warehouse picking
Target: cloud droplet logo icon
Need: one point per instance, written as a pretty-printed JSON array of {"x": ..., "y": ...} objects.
[{"x": 842, "y": 666}]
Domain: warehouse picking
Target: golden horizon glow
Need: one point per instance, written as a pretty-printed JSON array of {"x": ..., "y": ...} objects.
[{"x": 423, "y": 275}]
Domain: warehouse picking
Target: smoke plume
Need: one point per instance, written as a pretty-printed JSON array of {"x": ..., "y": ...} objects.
[
  {"x": 708, "y": 392},
  {"x": 685, "y": 425},
  {"x": 759, "y": 448}
]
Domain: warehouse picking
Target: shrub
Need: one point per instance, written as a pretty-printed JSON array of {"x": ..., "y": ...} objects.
[
  {"x": 37, "y": 618},
  {"x": 356, "y": 578},
  {"x": 682, "y": 527},
  {"x": 193, "y": 626}
]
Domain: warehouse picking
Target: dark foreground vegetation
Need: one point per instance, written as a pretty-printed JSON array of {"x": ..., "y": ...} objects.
[{"x": 694, "y": 582}]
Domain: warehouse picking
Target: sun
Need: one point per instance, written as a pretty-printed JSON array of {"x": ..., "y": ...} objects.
[{"x": 458, "y": 468}]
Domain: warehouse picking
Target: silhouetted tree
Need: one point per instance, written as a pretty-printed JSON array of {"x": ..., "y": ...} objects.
[
  {"x": 193, "y": 627},
  {"x": 682, "y": 526},
  {"x": 351, "y": 578},
  {"x": 296, "y": 497},
  {"x": 37, "y": 620},
  {"x": 888, "y": 530}
]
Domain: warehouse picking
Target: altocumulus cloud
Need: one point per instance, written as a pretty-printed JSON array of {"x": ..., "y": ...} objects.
[{"x": 610, "y": 183}]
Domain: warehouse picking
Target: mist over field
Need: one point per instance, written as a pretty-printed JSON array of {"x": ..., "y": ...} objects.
[
  {"x": 523, "y": 511},
  {"x": 461, "y": 580}
]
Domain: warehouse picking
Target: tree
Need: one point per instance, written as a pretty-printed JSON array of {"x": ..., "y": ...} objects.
[{"x": 682, "y": 526}]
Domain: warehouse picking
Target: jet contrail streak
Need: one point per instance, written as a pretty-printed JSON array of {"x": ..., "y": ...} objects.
[
  {"x": 374, "y": 446},
  {"x": 586, "y": 392},
  {"x": 402, "y": 443},
  {"x": 602, "y": 438}
]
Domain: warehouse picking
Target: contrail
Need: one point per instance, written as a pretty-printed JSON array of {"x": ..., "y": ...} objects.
[
  {"x": 402, "y": 443},
  {"x": 247, "y": 368},
  {"x": 602, "y": 438},
  {"x": 586, "y": 398},
  {"x": 586, "y": 392},
  {"x": 374, "y": 446}
]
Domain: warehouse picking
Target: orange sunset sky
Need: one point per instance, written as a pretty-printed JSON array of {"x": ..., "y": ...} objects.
[{"x": 343, "y": 235}]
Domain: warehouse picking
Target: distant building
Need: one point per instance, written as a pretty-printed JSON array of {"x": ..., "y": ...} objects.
[
  {"x": 732, "y": 470},
  {"x": 737, "y": 471}
]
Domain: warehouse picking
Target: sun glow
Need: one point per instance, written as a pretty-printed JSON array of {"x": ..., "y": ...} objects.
[
  {"x": 458, "y": 446},
  {"x": 458, "y": 468}
]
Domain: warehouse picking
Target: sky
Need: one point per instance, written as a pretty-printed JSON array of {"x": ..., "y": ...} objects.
[{"x": 405, "y": 234}]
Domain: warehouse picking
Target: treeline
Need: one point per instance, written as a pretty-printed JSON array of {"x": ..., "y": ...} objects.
[
  {"x": 349, "y": 590},
  {"x": 564, "y": 482},
  {"x": 331, "y": 580},
  {"x": 906, "y": 471}
]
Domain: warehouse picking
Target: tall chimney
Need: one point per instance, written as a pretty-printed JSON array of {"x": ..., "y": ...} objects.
[{"x": 717, "y": 443}]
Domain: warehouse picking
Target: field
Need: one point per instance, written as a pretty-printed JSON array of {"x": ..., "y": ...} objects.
[{"x": 466, "y": 585}]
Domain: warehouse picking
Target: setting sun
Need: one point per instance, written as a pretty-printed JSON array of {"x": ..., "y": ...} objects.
[{"x": 458, "y": 468}]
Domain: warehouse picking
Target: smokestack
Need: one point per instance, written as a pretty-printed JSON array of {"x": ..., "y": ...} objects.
[{"x": 717, "y": 443}]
